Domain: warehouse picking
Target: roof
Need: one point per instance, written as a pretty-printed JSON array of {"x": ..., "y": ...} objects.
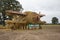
[
  {"x": 10, "y": 21},
  {"x": 34, "y": 13},
  {"x": 41, "y": 15},
  {"x": 14, "y": 12}
]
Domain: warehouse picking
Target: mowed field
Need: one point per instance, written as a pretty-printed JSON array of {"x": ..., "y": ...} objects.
[{"x": 48, "y": 32}]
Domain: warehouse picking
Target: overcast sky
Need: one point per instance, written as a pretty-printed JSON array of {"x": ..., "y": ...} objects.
[{"x": 51, "y": 8}]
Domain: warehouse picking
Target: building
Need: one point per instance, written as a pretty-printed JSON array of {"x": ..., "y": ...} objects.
[
  {"x": 33, "y": 20},
  {"x": 26, "y": 20}
]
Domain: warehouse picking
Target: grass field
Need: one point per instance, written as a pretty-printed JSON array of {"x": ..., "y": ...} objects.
[
  {"x": 48, "y": 32},
  {"x": 50, "y": 26}
]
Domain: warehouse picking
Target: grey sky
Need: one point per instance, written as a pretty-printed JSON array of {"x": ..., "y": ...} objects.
[{"x": 51, "y": 8}]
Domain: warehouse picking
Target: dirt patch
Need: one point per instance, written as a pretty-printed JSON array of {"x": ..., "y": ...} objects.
[{"x": 42, "y": 34}]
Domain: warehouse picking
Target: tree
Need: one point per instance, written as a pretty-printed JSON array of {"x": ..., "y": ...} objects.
[
  {"x": 9, "y": 5},
  {"x": 54, "y": 20}
]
